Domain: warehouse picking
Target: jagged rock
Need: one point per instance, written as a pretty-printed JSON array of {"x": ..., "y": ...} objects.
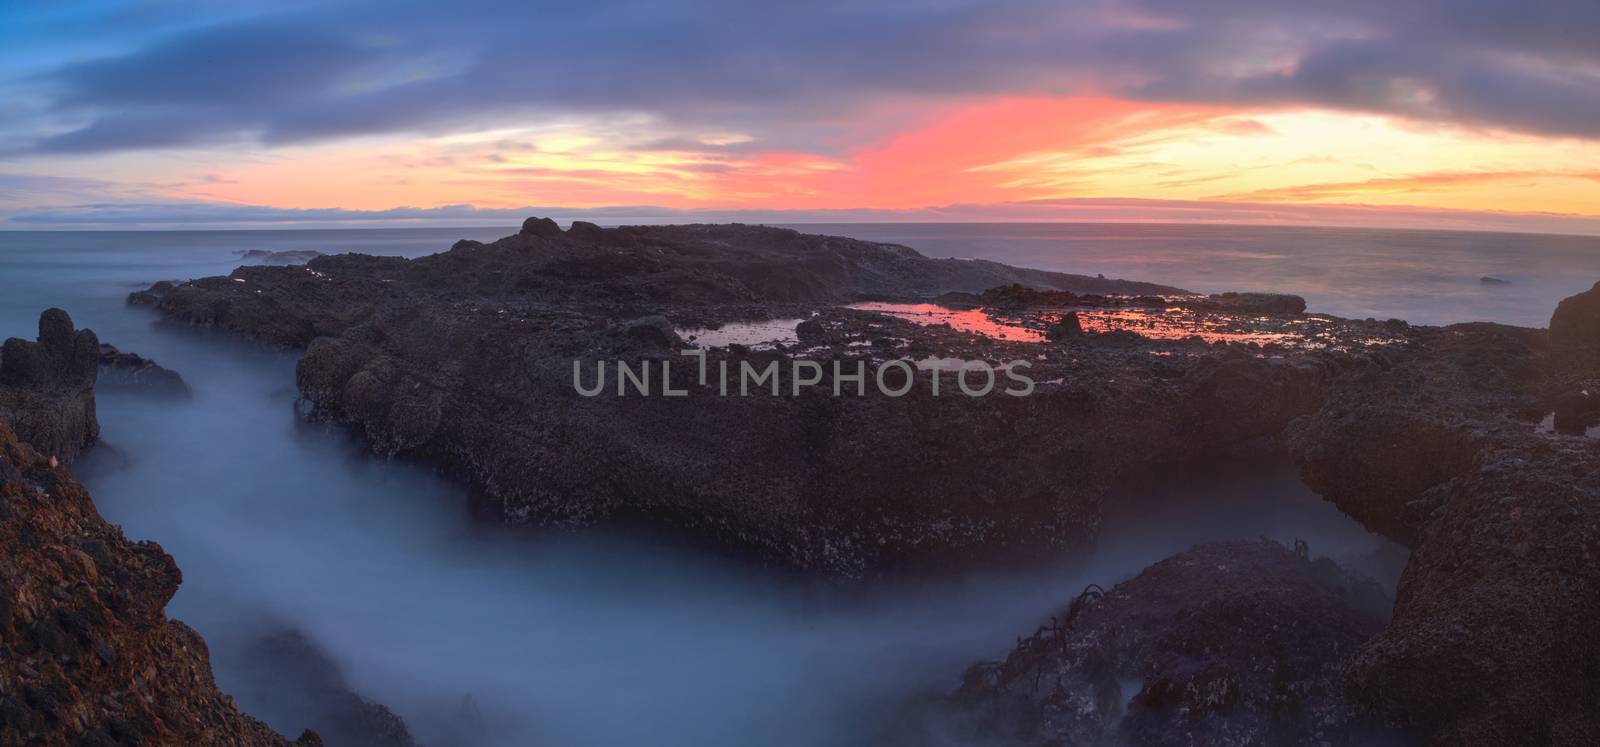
[
  {"x": 811, "y": 332},
  {"x": 1576, "y": 321},
  {"x": 541, "y": 227},
  {"x": 134, "y": 373},
  {"x": 47, "y": 387},
  {"x": 1067, "y": 326},
  {"x": 466, "y": 358},
  {"x": 1400, "y": 424},
  {"x": 152, "y": 295},
  {"x": 1494, "y": 638},
  {"x": 583, "y": 230},
  {"x": 87, "y": 656},
  {"x": 1230, "y": 643}
]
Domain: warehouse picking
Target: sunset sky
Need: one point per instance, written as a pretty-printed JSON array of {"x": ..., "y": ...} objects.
[{"x": 1425, "y": 113}]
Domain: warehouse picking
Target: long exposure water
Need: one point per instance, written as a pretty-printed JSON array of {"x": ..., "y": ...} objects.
[{"x": 581, "y": 638}]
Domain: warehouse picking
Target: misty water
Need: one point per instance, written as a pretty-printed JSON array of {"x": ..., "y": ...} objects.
[{"x": 581, "y": 638}]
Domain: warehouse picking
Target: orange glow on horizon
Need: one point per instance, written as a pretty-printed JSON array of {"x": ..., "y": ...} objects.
[{"x": 981, "y": 152}]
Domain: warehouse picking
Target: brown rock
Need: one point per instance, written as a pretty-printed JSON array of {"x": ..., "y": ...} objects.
[
  {"x": 1576, "y": 321},
  {"x": 84, "y": 605},
  {"x": 47, "y": 387}
]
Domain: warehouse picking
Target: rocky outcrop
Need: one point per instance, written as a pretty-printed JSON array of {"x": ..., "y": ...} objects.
[
  {"x": 133, "y": 373},
  {"x": 87, "y": 656},
  {"x": 466, "y": 359},
  {"x": 1495, "y": 638},
  {"x": 47, "y": 387},
  {"x": 641, "y": 266},
  {"x": 1232, "y": 643},
  {"x": 1576, "y": 322}
]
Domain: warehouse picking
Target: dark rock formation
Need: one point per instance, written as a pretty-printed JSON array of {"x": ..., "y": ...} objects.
[
  {"x": 130, "y": 372},
  {"x": 842, "y": 484},
  {"x": 466, "y": 359},
  {"x": 540, "y": 227},
  {"x": 47, "y": 387},
  {"x": 586, "y": 231},
  {"x": 642, "y": 266},
  {"x": 1576, "y": 322},
  {"x": 87, "y": 656},
  {"x": 1496, "y": 631},
  {"x": 1487, "y": 280},
  {"x": 1232, "y": 643},
  {"x": 296, "y": 677},
  {"x": 1067, "y": 326}
]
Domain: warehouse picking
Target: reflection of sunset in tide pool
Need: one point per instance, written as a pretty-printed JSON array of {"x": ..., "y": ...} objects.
[
  {"x": 1178, "y": 324},
  {"x": 758, "y": 334},
  {"x": 1174, "y": 323},
  {"x": 976, "y": 321}
]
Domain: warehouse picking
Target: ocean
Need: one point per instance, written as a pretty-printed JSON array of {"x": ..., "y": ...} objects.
[{"x": 599, "y": 637}]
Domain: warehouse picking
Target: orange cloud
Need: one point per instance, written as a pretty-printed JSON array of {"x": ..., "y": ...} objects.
[
  {"x": 1404, "y": 185},
  {"x": 980, "y": 152}
]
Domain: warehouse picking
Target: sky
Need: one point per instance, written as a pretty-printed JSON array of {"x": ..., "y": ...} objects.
[{"x": 1480, "y": 114}]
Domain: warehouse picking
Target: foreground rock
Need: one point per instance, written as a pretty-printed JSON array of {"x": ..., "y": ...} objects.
[
  {"x": 133, "y": 373},
  {"x": 1232, "y": 643},
  {"x": 86, "y": 655},
  {"x": 1576, "y": 322},
  {"x": 47, "y": 387}
]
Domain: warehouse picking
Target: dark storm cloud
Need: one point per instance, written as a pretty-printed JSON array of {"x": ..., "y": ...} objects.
[{"x": 790, "y": 71}]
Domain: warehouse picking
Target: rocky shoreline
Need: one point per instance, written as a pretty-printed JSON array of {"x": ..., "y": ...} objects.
[
  {"x": 1230, "y": 643},
  {"x": 87, "y": 654},
  {"x": 1471, "y": 444}
]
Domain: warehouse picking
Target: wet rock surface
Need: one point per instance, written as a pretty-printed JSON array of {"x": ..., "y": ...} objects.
[
  {"x": 1496, "y": 630},
  {"x": 87, "y": 656},
  {"x": 47, "y": 386},
  {"x": 1230, "y": 643},
  {"x": 133, "y": 373}
]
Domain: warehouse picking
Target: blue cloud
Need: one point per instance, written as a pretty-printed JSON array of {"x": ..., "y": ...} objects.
[{"x": 286, "y": 73}]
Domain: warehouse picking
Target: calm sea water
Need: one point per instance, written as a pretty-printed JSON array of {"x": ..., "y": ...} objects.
[
  {"x": 1425, "y": 277},
  {"x": 596, "y": 638}
]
